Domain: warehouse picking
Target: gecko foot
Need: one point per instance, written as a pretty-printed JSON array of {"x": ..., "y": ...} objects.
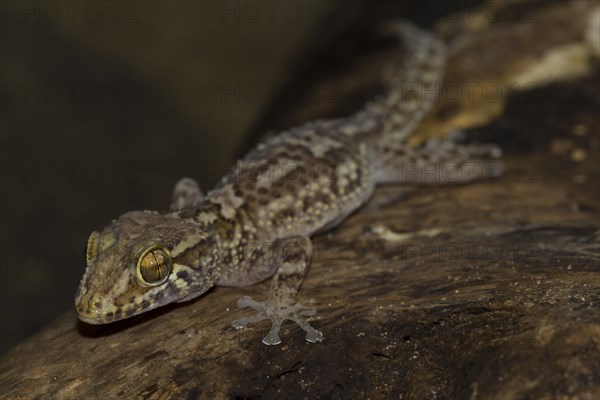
[{"x": 277, "y": 313}]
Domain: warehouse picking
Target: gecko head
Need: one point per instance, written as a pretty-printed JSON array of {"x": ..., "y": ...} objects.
[{"x": 144, "y": 260}]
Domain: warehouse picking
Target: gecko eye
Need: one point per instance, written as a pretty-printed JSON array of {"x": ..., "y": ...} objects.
[{"x": 154, "y": 265}]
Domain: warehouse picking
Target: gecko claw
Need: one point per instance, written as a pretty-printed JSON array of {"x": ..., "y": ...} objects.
[
  {"x": 272, "y": 337},
  {"x": 314, "y": 336},
  {"x": 277, "y": 313},
  {"x": 246, "y": 302}
]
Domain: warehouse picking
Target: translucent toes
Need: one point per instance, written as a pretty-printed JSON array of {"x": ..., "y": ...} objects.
[{"x": 277, "y": 313}]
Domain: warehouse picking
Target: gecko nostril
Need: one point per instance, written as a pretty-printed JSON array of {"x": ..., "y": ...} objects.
[{"x": 97, "y": 304}]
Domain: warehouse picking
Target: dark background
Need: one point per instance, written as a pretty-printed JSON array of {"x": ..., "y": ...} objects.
[{"x": 105, "y": 105}]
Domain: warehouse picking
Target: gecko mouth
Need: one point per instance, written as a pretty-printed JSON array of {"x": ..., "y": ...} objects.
[
  {"x": 98, "y": 317},
  {"x": 92, "y": 314},
  {"x": 95, "y": 320},
  {"x": 115, "y": 314}
]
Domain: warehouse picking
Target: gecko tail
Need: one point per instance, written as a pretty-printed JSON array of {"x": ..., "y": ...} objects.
[{"x": 414, "y": 84}]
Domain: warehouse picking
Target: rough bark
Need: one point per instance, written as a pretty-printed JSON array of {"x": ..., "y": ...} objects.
[{"x": 488, "y": 290}]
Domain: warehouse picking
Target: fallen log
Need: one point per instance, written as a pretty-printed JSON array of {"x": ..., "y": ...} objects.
[{"x": 488, "y": 290}]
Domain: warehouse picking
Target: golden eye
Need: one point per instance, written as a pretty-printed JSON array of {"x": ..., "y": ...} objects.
[{"x": 154, "y": 265}]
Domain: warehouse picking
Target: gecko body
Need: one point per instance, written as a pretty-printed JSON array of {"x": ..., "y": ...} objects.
[{"x": 257, "y": 222}]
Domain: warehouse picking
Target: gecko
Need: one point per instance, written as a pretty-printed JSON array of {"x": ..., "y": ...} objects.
[{"x": 257, "y": 222}]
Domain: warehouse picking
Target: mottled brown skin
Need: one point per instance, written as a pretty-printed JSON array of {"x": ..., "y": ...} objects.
[{"x": 258, "y": 221}]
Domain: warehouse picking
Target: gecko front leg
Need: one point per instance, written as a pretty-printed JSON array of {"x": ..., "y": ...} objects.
[
  {"x": 293, "y": 257},
  {"x": 186, "y": 194}
]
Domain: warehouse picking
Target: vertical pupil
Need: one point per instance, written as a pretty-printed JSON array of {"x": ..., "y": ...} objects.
[{"x": 156, "y": 264}]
